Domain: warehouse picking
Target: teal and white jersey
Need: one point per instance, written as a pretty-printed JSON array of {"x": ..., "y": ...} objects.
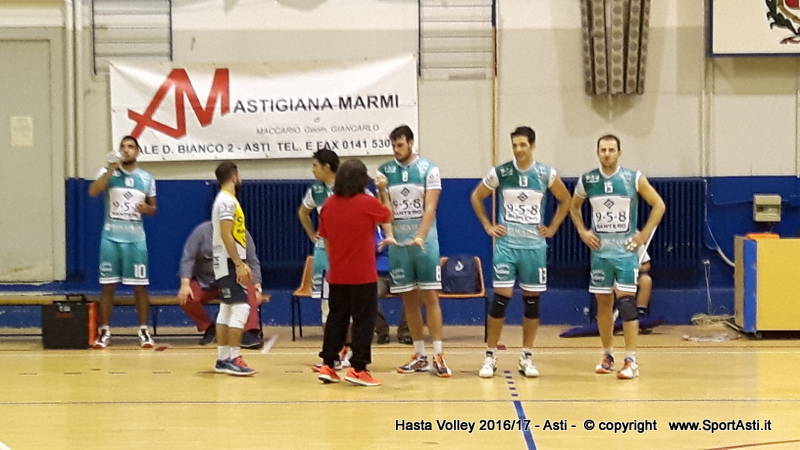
[
  {"x": 615, "y": 204},
  {"x": 125, "y": 190},
  {"x": 522, "y": 196},
  {"x": 407, "y": 185},
  {"x": 316, "y": 194},
  {"x": 315, "y": 197}
]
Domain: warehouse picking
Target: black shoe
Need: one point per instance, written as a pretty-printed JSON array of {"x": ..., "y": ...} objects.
[
  {"x": 383, "y": 339},
  {"x": 405, "y": 340},
  {"x": 209, "y": 336},
  {"x": 252, "y": 339},
  {"x": 645, "y": 331}
]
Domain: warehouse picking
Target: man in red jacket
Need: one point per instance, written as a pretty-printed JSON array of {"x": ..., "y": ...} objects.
[{"x": 347, "y": 223}]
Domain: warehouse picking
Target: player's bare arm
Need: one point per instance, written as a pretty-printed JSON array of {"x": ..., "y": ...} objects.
[
  {"x": 476, "y": 199},
  {"x": 561, "y": 194}
]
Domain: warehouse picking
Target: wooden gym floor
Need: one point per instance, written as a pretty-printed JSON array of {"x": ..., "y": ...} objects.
[{"x": 125, "y": 397}]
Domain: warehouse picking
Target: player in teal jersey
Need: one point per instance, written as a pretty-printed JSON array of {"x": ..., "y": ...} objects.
[
  {"x": 613, "y": 193},
  {"x": 324, "y": 166},
  {"x": 410, "y": 187},
  {"x": 130, "y": 193},
  {"x": 520, "y": 248}
]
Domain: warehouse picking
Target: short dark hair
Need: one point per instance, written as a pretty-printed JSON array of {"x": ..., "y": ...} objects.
[
  {"x": 607, "y": 137},
  {"x": 525, "y": 131},
  {"x": 131, "y": 138},
  {"x": 402, "y": 130},
  {"x": 327, "y": 156},
  {"x": 351, "y": 178},
  {"x": 225, "y": 171}
]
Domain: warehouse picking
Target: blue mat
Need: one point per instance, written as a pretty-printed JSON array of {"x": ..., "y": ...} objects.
[{"x": 591, "y": 330}]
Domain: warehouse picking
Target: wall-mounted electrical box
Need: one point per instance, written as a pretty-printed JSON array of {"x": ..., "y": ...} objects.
[{"x": 766, "y": 208}]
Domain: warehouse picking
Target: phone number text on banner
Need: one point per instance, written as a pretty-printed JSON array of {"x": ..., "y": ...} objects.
[{"x": 259, "y": 111}]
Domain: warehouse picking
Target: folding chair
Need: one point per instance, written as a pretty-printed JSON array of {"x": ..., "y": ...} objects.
[
  {"x": 479, "y": 293},
  {"x": 304, "y": 290}
]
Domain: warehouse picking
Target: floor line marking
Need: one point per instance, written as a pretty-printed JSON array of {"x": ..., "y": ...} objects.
[
  {"x": 39, "y": 353},
  {"x": 527, "y": 434},
  {"x": 396, "y": 401}
]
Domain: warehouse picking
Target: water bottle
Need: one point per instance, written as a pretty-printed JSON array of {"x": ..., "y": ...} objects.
[
  {"x": 586, "y": 319},
  {"x": 114, "y": 157}
]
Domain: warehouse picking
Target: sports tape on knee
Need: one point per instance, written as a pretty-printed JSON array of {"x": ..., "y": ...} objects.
[
  {"x": 239, "y": 313},
  {"x": 224, "y": 315}
]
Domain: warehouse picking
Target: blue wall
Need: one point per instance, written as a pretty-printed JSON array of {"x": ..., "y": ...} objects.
[{"x": 679, "y": 291}]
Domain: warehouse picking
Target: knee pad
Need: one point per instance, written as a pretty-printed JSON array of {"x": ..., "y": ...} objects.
[
  {"x": 239, "y": 313},
  {"x": 498, "y": 307},
  {"x": 531, "y": 306},
  {"x": 224, "y": 314},
  {"x": 627, "y": 308}
]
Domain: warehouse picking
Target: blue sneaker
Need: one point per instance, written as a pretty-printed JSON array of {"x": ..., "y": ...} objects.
[
  {"x": 227, "y": 366},
  {"x": 220, "y": 365}
]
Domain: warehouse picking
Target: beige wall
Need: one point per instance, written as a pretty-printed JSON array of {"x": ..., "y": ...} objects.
[{"x": 698, "y": 117}]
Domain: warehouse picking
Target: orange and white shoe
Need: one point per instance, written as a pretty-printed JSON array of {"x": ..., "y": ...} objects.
[
  {"x": 440, "y": 366},
  {"x": 361, "y": 378},
  {"x": 630, "y": 370},
  {"x": 418, "y": 363},
  {"x": 327, "y": 375},
  {"x": 606, "y": 364}
]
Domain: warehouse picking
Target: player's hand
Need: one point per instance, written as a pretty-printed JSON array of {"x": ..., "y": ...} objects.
[
  {"x": 381, "y": 182},
  {"x": 387, "y": 242},
  {"x": 419, "y": 242},
  {"x": 243, "y": 274},
  {"x": 635, "y": 242},
  {"x": 495, "y": 230},
  {"x": 546, "y": 232},
  {"x": 590, "y": 239},
  {"x": 183, "y": 294},
  {"x": 143, "y": 208},
  {"x": 259, "y": 292},
  {"x": 112, "y": 166}
]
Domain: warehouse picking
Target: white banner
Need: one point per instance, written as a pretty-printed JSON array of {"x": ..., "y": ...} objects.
[
  {"x": 257, "y": 111},
  {"x": 755, "y": 27}
]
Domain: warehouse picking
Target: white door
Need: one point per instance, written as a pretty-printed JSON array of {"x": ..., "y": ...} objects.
[{"x": 27, "y": 180}]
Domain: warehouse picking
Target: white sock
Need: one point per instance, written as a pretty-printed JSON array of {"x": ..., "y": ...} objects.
[
  {"x": 526, "y": 352},
  {"x": 223, "y": 352},
  {"x": 631, "y": 355},
  {"x": 143, "y": 327},
  {"x": 419, "y": 348},
  {"x": 235, "y": 351},
  {"x": 437, "y": 347},
  {"x": 106, "y": 328},
  {"x": 608, "y": 351},
  {"x": 492, "y": 350}
]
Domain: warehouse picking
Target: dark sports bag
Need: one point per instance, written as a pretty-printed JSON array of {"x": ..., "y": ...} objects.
[{"x": 460, "y": 275}]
